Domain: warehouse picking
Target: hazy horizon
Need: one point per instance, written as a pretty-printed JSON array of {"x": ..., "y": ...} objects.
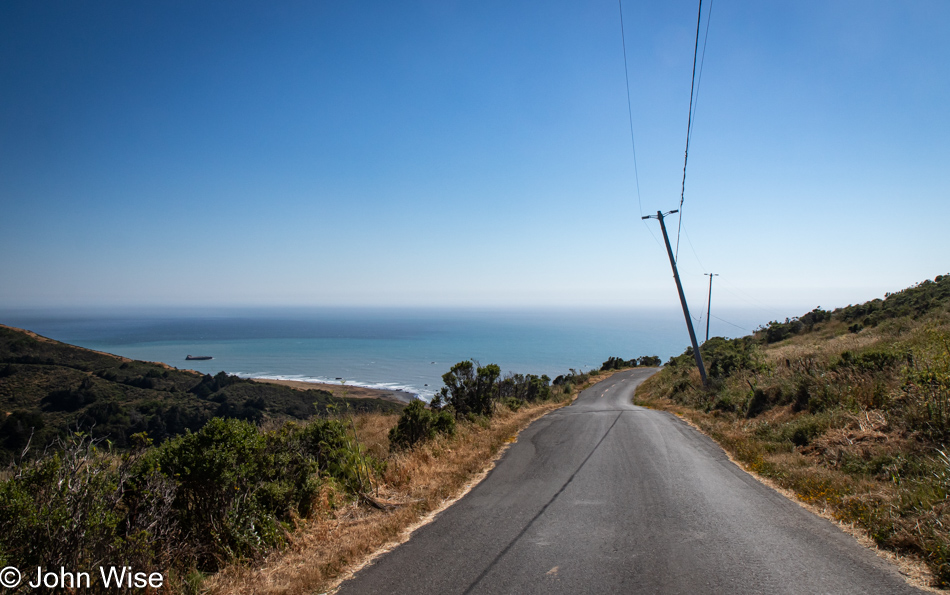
[{"x": 728, "y": 321}]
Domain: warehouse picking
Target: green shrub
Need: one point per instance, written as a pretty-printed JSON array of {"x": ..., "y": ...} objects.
[
  {"x": 225, "y": 492},
  {"x": 776, "y": 331},
  {"x": 758, "y": 403},
  {"x": 725, "y": 357},
  {"x": 19, "y": 428},
  {"x": 524, "y": 388},
  {"x": 513, "y": 404},
  {"x": 575, "y": 378},
  {"x": 725, "y": 403},
  {"x": 417, "y": 424},
  {"x": 803, "y": 430},
  {"x": 925, "y": 396},
  {"x": 219, "y": 472},
  {"x": 617, "y": 363},
  {"x": 914, "y": 302},
  {"x": 79, "y": 508},
  {"x": 238, "y": 486},
  {"x": 470, "y": 388}
]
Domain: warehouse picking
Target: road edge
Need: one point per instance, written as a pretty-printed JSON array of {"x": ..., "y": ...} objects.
[{"x": 913, "y": 570}]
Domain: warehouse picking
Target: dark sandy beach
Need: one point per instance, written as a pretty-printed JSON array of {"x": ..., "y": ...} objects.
[{"x": 356, "y": 392}]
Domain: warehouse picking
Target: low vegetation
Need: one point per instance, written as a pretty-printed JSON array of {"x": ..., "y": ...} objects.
[
  {"x": 228, "y": 491},
  {"x": 472, "y": 390},
  {"x": 208, "y": 505},
  {"x": 618, "y": 363},
  {"x": 418, "y": 423},
  {"x": 415, "y": 483},
  {"x": 50, "y": 389},
  {"x": 850, "y": 409}
]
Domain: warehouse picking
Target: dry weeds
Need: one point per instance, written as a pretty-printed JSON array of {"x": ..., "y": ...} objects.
[
  {"x": 821, "y": 346},
  {"x": 798, "y": 475},
  {"x": 415, "y": 484}
]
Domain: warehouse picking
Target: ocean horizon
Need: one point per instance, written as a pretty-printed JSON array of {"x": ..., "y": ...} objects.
[{"x": 406, "y": 349}]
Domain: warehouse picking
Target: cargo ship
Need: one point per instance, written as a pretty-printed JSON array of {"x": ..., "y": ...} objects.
[{"x": 194, "y": 357}]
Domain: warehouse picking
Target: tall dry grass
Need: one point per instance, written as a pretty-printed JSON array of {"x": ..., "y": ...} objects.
[
  {"x": 415, "y": 484},
  {"x": 853, "y": 424}
]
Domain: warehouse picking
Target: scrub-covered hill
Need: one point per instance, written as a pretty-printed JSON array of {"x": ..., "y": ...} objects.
[
  {"x": 48, "y": 388},
  {"x": 848, "y": 408}
]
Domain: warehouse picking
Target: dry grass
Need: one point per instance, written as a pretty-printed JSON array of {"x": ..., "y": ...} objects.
[
  {"x": 823, "y": 344},
  {"x": 852, "y": 418},
  {"x": 414, "y": 485},
  {"x": 817, "y": 476}
]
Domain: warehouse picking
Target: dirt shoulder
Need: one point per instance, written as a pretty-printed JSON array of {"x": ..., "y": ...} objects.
[{"x": 824, "y": 492}]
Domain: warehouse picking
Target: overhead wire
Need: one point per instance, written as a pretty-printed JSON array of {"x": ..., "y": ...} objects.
[
  {"x": 626, "y": 74},
  {"x": 749, "y": 300},
  {"x": 695, "y": 83},
  {"x": 690, "y": 242},
  {"x": 633, "y": 144},
  {"x": 693, "y": 105},
  {"x": 702, "y": 60},
  {"x": 741, "y": 328},
  {"x": 689, "y": 126}
]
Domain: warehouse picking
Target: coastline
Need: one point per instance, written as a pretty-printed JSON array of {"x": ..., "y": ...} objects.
[{"x": 354, "y": 392}]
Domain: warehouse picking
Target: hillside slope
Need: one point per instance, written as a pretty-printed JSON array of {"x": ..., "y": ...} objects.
[
  {"x": 850, "y": 409},
  {"x": 48, "y": 388}
]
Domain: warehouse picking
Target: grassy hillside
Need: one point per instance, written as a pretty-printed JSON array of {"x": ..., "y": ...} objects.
[
  {"x": 850, "y": 409},
  {"x": 48, "y": 388},
  {"x": 233, "y": 492}
]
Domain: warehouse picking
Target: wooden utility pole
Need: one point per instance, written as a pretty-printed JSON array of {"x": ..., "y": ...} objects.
[
  {"x": 679, "y": 287},
  {"x": 709, "y": 302}
]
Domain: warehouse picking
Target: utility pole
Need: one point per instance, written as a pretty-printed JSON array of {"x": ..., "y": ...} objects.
[
  {"x": 679, "y": 287},
  {"x": 709, "y": 302}
]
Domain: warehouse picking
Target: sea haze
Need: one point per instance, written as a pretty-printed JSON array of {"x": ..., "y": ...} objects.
[{"x": 406, "y": 349}]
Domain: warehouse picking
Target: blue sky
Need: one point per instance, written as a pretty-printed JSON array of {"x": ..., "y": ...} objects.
[{"x": 468, "y": 154}]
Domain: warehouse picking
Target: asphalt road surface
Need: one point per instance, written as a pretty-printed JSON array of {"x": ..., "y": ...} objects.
[{"x": 607, "y": 497}]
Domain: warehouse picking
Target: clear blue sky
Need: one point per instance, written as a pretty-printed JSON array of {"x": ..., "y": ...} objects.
[{"x": 468, "y": 153}]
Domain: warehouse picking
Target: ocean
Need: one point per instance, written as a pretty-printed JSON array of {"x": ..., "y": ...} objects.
[{"x": 396, "y": 349}]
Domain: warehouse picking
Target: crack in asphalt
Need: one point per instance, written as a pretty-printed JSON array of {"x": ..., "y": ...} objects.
[
  {"x": 563, "y": 412},
  {"x": 543, "y": 508}
]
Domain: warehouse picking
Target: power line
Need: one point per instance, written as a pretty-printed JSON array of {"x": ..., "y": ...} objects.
[
  {"x": 690, "y": 242},
  {"x": 731, "y": 324},
  {"x": 689, "y": 125},
  {"x": 626, "y": 74},
  {"x": 633, "y": 143},
  {"x": 702, "y": 60},
  {"x": 750, "y": 300}
]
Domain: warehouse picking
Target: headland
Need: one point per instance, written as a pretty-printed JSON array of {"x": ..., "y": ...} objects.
[{"x": 355, "y": 392}]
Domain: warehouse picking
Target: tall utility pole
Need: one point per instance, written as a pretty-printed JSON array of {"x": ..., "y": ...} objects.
[
  {"x": 679, "y": 287},
  {"x": 709, "y": 302}
]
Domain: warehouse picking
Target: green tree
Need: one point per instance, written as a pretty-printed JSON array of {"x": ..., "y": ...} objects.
[{"x": 470, "y": 388}]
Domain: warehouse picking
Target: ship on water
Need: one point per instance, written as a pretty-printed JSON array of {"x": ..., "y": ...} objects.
[{"x": 194, "y": 357}]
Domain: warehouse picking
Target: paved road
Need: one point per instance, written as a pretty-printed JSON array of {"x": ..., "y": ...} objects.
[{"x": 606, "y": 497}]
